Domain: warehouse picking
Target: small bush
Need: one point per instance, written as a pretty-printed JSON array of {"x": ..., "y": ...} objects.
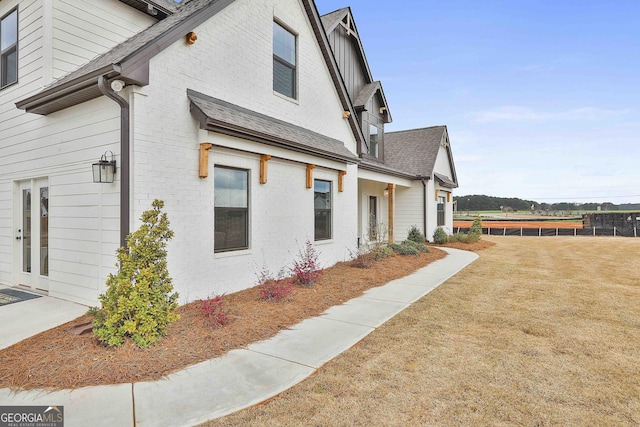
[
  {"x": 139, "y": 302},
  {"x": 440, "y": 236},
  {"x": 415, "y": 235},
  {"x": 419, "y": 246},
  {"x": 409, "y": 247},
  {"x": 381, "y": 252},
  {"x": 407, "y": 250},
  {"x": 306, "y": 270},
  {"x": 360, "y": 259},
  {"x": 213, "y": 311},
  {"x": 275, "y": 291},
  {"x": 476, "y": 228}
]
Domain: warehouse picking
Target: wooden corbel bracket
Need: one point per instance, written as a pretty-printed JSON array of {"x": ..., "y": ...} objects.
[{"x": 204, "y": 159}]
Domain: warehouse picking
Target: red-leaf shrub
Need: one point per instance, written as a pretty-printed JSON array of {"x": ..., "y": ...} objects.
[
  {"x": 213, "y": 311},
  {"x": 275, "y": 291},
  {"x": 306, "y": 270}
]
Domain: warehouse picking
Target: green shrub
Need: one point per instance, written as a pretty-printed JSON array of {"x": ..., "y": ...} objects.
[
  {"x": 415, "y": 235},
  {"x": 139, "y": 303},
  {"x": 476, "y": 227},
  {"x": 380, "y": 252},
  {"x": 419, "y": 246},
  {"x": 440, "y": 236},
  {"x": 408, "y": 247},
  {"x": 403, "y": 249}
]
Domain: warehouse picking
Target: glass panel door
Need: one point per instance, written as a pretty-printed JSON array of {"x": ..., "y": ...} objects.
[
  {"x": 32, "y": 234},
  {"x": 26, "y": 230},
  {"x": 44, "y": 231}
]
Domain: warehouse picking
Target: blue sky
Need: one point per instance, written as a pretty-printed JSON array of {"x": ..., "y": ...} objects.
[{"x": 541, "y": 98}]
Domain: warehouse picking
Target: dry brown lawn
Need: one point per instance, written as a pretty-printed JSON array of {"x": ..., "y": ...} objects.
[{"x": 537, "y": 332}]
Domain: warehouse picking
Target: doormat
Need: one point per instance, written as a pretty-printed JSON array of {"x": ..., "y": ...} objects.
[{"x": 9, "y": 296}]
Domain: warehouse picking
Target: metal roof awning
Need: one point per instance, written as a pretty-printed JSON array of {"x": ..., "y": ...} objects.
[{"x": 445, "y": 181}]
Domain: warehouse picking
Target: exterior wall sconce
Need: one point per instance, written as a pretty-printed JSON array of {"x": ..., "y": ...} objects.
[
  {"x": 105, "y": 170},
  {"x": 386, "y": 192}
]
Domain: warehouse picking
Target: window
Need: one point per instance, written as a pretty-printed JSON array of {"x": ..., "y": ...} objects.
[
  {"x": 9, "y": 49},
  {"x": 284, "y": 61},
  {"x": 373, "y": 140},
  {"x": 231, "y": 200},
  {"x": 322, "y": 209},
  {"x": 441, "y": 201}
]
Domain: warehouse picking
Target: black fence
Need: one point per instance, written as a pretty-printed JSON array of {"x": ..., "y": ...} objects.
[{"x": 504, "y": 231}]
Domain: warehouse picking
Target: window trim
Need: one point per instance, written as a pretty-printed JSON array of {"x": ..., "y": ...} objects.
[
  {"x": 8, "y": 51},
  {"x": 329, "y": 210},
  {"x": 245, "y": 209},
  {"x": 284, "y": 62}
]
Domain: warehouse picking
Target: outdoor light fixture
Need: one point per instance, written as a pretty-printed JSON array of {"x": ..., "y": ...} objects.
[
  {"x": 386, "y": 192},
  {"x": 105, "y": 170}
]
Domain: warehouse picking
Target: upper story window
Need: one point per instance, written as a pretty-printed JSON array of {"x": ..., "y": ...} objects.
[
  {"x": 374, "y": 140},
  {"x": 9, "y": 48},
  {"x": 284, "y": 61},
  {"x": 231, "y": 200}
]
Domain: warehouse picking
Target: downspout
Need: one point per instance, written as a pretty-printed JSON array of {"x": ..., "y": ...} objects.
[
  {"x": 424, "y": 206},
  {"x": 105, "y": 87}
]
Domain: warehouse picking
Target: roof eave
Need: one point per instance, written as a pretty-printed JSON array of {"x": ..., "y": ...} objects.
[{"x": 54, "y": 99}]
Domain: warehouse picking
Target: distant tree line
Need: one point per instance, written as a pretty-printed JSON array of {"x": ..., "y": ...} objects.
[{"x": 490, "y": 203}]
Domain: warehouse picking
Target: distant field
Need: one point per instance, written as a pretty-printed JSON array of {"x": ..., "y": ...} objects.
[{"x": 521, "y": 224}]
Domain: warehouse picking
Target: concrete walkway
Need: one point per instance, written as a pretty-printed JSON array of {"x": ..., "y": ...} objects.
[{"x": 245, "y": 377}]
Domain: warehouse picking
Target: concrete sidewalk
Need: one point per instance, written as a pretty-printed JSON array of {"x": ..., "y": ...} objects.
[{"x": 245, "y": 377}]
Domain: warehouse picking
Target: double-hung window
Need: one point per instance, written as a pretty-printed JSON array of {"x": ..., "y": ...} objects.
[
  {"x": 9, "y": 49},
  {"x": 322, "y": 209},
  {"x": 231, "y": 200},
  {"x": 284, "y": 61}
]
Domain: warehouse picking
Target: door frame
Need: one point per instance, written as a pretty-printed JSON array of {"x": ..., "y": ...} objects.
[{"x": 33, "y": 279}]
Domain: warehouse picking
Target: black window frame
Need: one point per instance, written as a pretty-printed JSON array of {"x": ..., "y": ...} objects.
[
  {"x": 322, "y": 215},
  {"x": 279, "y": 62},
  {"x": 224, "y": 212},
  {"x": 9, "y": 50}
]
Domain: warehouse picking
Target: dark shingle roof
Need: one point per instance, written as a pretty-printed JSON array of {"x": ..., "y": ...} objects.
[
  {"x": 415, "y": 151},
  {"x": 221, "y": 116}
]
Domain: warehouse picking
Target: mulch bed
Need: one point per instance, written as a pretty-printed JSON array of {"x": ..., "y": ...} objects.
[{"x": 58, "y": 359}]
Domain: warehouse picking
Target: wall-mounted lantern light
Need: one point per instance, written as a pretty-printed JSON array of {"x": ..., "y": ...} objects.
[
  {"x": 386, "y": 192},
  {"x": 104, "y": 170}
]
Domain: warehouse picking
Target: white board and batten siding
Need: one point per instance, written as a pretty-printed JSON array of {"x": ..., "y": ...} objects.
[{"x": 233, "y": 62}]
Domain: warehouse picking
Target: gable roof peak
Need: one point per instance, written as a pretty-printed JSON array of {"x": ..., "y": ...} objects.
[{"x": 331, "y": 20}]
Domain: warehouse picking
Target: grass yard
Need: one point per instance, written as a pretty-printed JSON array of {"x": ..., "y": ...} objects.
[{"x": 539, "y": 331}]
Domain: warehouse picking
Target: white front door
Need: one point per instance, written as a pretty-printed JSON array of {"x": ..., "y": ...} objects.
[{"x": 32, "y": 233}]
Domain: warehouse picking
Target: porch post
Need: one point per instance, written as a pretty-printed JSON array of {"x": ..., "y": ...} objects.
[{"x": 391, "y": 188}]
